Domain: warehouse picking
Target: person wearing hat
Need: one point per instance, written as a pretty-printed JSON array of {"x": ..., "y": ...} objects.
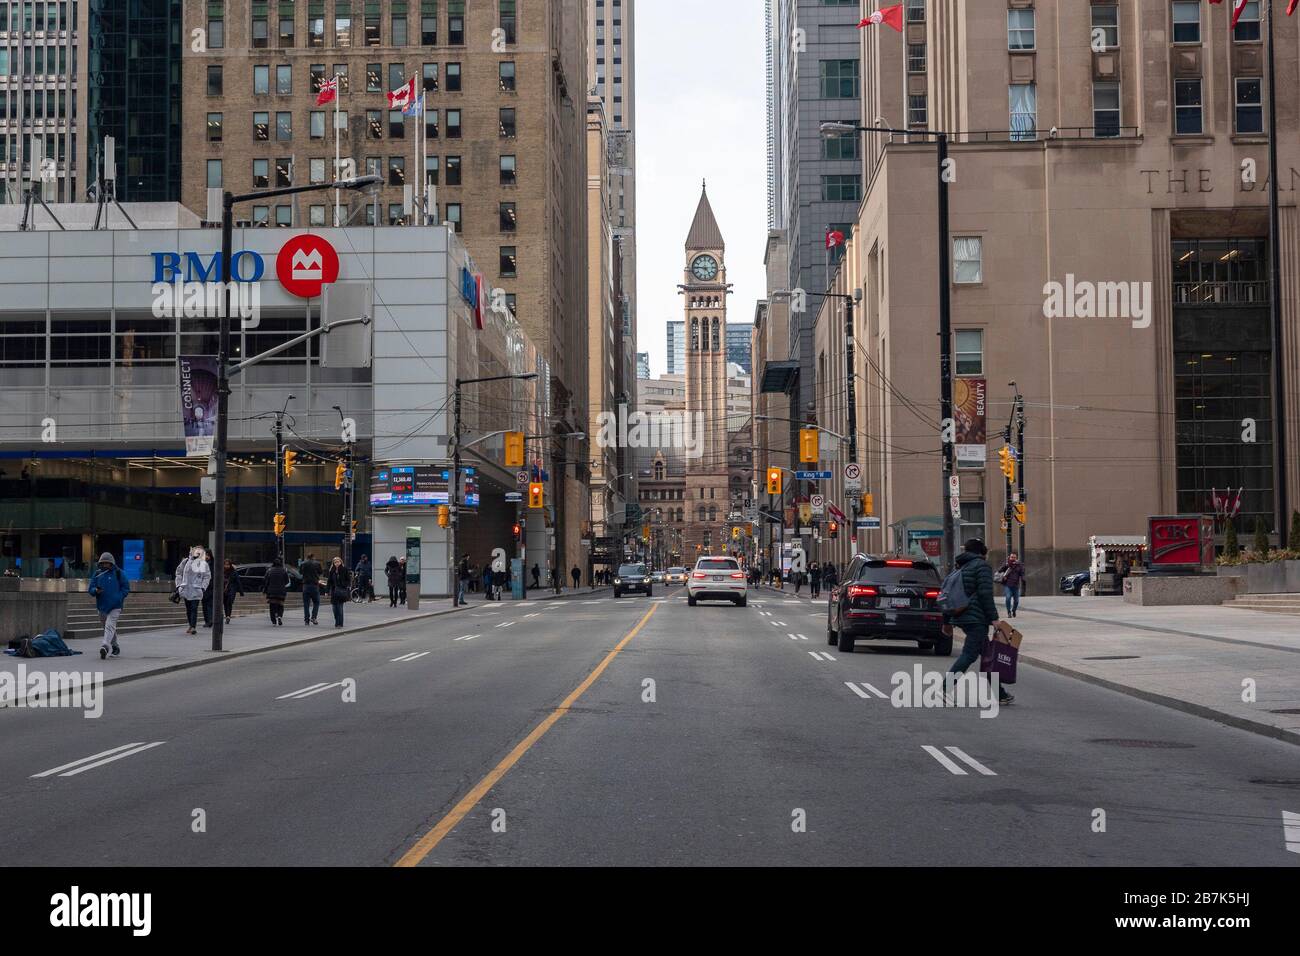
[
  {"x": 981, "y": 613},
  {"x": 109, "y": 587}
]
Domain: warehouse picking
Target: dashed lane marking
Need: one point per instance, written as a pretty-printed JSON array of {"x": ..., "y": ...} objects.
[
  {"x": 309, "y": 691},
  {"x": 99, "y": 759},
  {"x": 466, "y": 637},
  {"x": 864, "y": 690},
  {"x": 953, "y": 767},
  {"x": 413, "y": 656}
]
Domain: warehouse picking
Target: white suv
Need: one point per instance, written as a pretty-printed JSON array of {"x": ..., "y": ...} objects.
[{"x": 719, "y": 578}]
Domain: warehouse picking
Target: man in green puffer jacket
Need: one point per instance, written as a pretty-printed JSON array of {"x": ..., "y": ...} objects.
[{"x": 981, "y": 613}]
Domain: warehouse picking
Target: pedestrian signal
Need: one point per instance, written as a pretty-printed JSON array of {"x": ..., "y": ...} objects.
[
  {"x": 514, "y": 449},
  {"x": 278, "y": 523}
]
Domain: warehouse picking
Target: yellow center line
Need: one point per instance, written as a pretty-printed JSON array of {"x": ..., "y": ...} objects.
[{"x": 425, "y": 845}]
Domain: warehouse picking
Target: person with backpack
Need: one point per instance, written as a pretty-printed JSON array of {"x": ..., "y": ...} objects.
[
  {"x": 968, "y": 594},
  {"x": 276, "y": 588},
  {"x": 1011, "y": 576},
  {"x": 193, "y": 575},
  {"x": 109, "y": 587}
]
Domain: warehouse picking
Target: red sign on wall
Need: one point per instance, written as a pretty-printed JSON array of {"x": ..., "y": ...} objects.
[
  {"x": 1180, "y": 541},
  {"x": 305, "y": 264}
]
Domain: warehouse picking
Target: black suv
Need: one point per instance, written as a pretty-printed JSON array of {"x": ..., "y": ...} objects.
[
  {"x": 889, "y": 599},
  {"x": 252, "y": 577},
  {"x": 632, "y": 577}
]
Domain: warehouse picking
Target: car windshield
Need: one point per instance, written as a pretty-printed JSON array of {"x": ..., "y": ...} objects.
[
  {"x": 676, "y": 570},
  {"x": 631, "y": 570},
  {"x": 717, "y": 564},
  {"x": 909, "y": 572}
]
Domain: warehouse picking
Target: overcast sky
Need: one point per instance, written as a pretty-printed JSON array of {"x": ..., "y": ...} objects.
[{"x": 700, "y": 100}]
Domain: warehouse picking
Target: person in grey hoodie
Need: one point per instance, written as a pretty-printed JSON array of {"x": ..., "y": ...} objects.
[
  {"x": 193, "y": 575},
  {"x": 982, "y": 612},
  {"x": 109, "y": 587}
]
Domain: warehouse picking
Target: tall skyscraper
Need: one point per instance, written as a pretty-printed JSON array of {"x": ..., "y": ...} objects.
[
  {"x": 643, "y": 365},
  {"x": 676, "y": 333}
]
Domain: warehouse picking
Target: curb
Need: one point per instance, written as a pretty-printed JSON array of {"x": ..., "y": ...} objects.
[{"x": 1173, "y": 703}]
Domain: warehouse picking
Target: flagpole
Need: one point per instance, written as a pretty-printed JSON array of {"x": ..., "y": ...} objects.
[
  {"x": 337, "y": 169},
  {"x": 1275, "y": 297},
  {"x": 424, "y": 156}
]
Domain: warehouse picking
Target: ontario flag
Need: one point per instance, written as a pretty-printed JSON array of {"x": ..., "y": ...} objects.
[
  {"x": 836, "y": 513},
  {"x": 403, "y": 96},
  {"x": 893, "y": 16},
  {"x": 329, "y": 91},
  {"x": 1238, "y": 6},
  {"x": 834, "y": 238}
]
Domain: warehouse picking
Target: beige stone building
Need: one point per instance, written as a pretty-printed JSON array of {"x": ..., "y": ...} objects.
[
  {"x": 1109, "y": 255},
  {"x": 506, "y": 150}
]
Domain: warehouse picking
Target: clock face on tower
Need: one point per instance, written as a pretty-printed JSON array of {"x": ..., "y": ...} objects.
[{"x": 704, "y": 268}]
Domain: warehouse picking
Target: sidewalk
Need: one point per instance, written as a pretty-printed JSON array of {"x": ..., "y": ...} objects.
[
  {"x": 146, "y": 653},
  {"x": 1192, "y": 659}
]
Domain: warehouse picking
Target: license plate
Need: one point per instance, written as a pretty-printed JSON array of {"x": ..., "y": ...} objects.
[
  {"x": 900, "y": 602},
  {"x": 717, "y": 577}
]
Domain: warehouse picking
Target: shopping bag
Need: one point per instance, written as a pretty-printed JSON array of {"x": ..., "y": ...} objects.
[{"x": 1001, "y": 652}]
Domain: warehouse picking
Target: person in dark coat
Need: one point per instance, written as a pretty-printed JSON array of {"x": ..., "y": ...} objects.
[
  {"x": 537, "y": 577},
  {"x": 233, "y": 586},
  {"x": 981, "y": 613},
  {"x": 396, "y": 575},
  {"x": 311, "y": 574},
  {"x": 462, "y": 579},
  {"x": 815, "y": 579},
  {"x": 1013, "y": 573},
  {"x": 277, "y": 586},
  {"x": 339, "y": 586}
]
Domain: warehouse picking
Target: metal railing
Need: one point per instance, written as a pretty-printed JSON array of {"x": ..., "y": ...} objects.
[{"x": 1253, "y": 292}]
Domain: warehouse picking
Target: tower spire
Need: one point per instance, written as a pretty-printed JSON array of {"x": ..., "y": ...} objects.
[{"x": 704, "y": 233}]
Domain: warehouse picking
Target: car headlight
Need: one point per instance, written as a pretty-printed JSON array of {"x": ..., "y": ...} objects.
[{"x": 618, "y": 580}]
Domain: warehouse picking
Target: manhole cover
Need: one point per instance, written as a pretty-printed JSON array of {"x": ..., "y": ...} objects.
[
  {"x": 1267, "y": 782},
  {"x": 1147, "y": 744},
  {"x": 1286, "y": 710},
  {"x": 1117, "y": 657}
]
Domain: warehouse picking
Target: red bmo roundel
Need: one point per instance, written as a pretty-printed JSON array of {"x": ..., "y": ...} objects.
[{"x": 306, "y": 263}]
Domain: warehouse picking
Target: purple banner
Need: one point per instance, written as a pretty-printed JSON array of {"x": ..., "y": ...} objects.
[{"x": 198, "y": 377}]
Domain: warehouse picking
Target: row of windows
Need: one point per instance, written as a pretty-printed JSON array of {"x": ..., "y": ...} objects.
[
  {"x": 40, "y": 16},
  {"x": 507, "y": 126},
  {"x": 318, "y": 172},
  {"x": 366, "y": 30},
  {"x": 37, "y": 60},
  {"x": 507, "y": 78},
  {"x": 1185, "y": 24}
]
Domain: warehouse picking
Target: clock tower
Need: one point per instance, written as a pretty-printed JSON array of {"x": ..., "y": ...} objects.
[{"x": 705, "y": 294}]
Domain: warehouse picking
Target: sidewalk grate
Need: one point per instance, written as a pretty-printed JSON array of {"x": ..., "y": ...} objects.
[{"x": 1145, "y": 744}]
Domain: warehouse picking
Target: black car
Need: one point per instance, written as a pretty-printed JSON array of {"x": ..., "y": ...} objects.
[
  {"x": 252, "y": 577},
  {"x": 633, "y": 577},
  {"x": 889, "y": 599},
  {"x": 1073, "y": 583}
]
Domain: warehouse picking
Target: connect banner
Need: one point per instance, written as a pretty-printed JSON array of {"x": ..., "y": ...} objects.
[{"x": 198, "y": 378}]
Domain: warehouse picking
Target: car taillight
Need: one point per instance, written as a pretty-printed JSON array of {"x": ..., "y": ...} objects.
[
  {"x": 861, "y": 590},
  {"x": 698, "y": 574},
  {"x": 738, "y": 574},
  {"x": 898, "y": 564},
  {"x": 932, "y": 594}
]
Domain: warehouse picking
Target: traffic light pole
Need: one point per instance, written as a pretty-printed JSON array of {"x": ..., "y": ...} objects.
[
  {"x": 279, "y": 481},
  {"x": 453, "y": 498},
  {"x": 950, "y": 546},
  {"x": 1020, "y": 457}
]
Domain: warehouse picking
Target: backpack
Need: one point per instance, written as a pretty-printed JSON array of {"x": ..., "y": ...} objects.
[{"x": 953, "y": 598}]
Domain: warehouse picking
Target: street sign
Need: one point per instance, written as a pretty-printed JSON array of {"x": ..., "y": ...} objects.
[
  {"x": 514, "y": 496},
  {"x": 818, "y": 504},
  {"x": 813, "y": 475},
  {"x": 867, "y": 522},
  {"x": 521, "y": 477},
  {"x": 954, "y": 502},
  {"x": 954, "y": 485},
  {"x": 852, "y": 478}
]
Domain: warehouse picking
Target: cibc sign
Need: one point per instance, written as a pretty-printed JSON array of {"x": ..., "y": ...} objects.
[{"x": 1180, "y": 542}]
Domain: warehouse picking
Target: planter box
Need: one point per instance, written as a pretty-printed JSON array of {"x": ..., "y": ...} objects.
[
  {"x": 1275, "y": 577},
  {"x": 1151, "y": 590}
]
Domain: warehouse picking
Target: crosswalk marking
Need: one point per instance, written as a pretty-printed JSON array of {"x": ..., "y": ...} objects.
[
  {"x": 309, "y": 691},
  {"x": 466, "y": 637},
  {"x": 856, "y": 689},
  {"x": 507, "y": 624},
  {"x": 98, "y": 760},
  {"x": 413, "y": 656},
  {"x": 863, "y": 689},
  {"x": 952, "y": 767},
  {"x": 820, "y": 656}
]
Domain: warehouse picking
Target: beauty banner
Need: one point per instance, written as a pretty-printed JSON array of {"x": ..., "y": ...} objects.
[
  {"x": 198, "y": 378},
  {"x": 970, "y": 409}
]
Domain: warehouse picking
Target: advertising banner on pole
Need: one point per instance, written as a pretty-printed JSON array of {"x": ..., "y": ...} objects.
[
  {"x": 970, "y": 409},
  {"x": 198, "y": 378}
]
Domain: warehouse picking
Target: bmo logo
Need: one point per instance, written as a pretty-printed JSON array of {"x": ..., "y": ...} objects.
[{"x": 305, "y": 264}]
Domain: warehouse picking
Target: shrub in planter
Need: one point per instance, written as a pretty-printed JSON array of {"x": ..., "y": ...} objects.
[
  {"x": 1293, "y": 540},
  {"x": 1231, "y": 549},
  {"x": 1261, "y": 536}
]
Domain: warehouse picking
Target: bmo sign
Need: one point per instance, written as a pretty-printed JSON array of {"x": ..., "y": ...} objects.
[{"x": 305, "y": 264}]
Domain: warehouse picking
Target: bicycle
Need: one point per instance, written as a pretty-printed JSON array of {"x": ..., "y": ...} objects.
[{"x": 357, "y": 595}]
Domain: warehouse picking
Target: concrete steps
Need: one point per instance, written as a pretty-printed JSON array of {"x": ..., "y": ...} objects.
[
  {"x": 1275, "y": 603},
  {"x": 143, "y": 612}
]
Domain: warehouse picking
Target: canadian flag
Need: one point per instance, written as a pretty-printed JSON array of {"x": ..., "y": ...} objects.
[
  {"x": 834, "y": 238},
  {"x": 1238, "y": 6},
  {"x": 1290, "y": 7},
  {"x": 403, "y": 96},
  {"x": 893, "y": 16},
  {"x": 329, "y": 90},
  {"x": 836, "y": 513}
]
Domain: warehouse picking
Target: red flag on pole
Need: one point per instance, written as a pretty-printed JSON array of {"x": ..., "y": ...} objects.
[
  {"x": 893, "y": 16},
  {"x": 1239, "y": 6},
  {"x": 328, "y": 90},
  {"x": 1290, "y": 7},
  {"x": 834, "y": 238}
]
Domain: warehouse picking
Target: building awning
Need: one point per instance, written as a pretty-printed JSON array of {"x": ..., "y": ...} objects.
[{"x": 780, "y": 376}]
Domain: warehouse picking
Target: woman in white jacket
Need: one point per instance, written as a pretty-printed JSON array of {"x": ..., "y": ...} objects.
[{"x": 192, "y": 577}]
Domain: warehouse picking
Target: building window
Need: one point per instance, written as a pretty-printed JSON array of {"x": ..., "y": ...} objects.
[
  {"x": 372, "y": 25},
  {"x": 399, "y": 35},
  {"x": 507, "y": 122},
  {"x": 374, "y": 124},
  {"x": 431, "y": 170},
  {"x": 429, "y": 26},
  {"x": 915, "y": 11},
  {"x": 316, "y": 126},
  {"x": 453, "y": 216},
  {"x": 1020, "y": 29},
  {"x": 374, "y": 78},
  {"x": 395, "y": 217},
  {"x": 260, "y": 214},
  {"x": 508, "y": 262},
  {"x": 1105, "y": 17},
  {"x": 1247, "y": 28},
  {"x": 316, "y": 76},
  {"x": 509, "y": 217},
  {"x": 316, "y": 169},
  {"x": 1023, "y": 101},
  {"x": 341, "y": 71},
  {"x": 453, "y": 77},
  {"x": 397, "y": 170},
  {"x": 284, "y": 80},
  {"x": 216, "y": 25},
  {"x": 1105, "y": 109},
  {"x": 508, "y": 171},
  {"x": 286, "y": 29},
  {"x": 916, "y": 58},
  {"x": 506, "y": 76},
  {"x": 1250, "y": 112},
  {"x": 431, "y": 124},
  {"x": 284, "y": 216},
  {"x": 846, "y": 187},
  {"x": 315, "y": 30},
  {"x": 215, "y": 84},
  {"x": 283, "y": 172},
  {"x": 396, "y": 75},
  {"x": 396, "y": 125},
  {"x": 972, "y": 520},
  {"x": 968, "y": 259},
  {"x": 917, "y": 112},
  {"x": 453, "y": 171},
  {"x": 430, "y": 75},
  {"x": 283, "y": 126},
  {"x": 214, "y": 173},
  {"x": 456, "y": 24},
  {"x": 1187, "y": 107},
  {"x": 259, "y": 34},
  {"x": 261, "y": 174},
  {"x": 507, "y": 12},
  {"x": 261, "y": 80},
  {"x": 969, "y": 351},
  {"x": 343, "y": 31},
  {"x": 453, "y": 124},
  {"x": 214, "y": 126},
  {"x": 316, "y": 215},
  {"x": 1187, "y": 21},
  {"x": 839, "y": 79},
  {"x": 841, "y": 145}
]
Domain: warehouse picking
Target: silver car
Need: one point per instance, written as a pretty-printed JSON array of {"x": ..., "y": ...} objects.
[{"x": 717, "y": 578}]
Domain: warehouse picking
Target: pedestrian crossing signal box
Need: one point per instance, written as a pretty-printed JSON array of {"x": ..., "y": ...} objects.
[
  {"x": 808, "y": 450},
  {"x": 514, "y": 449},
  {"x": 444, "y": 516}
]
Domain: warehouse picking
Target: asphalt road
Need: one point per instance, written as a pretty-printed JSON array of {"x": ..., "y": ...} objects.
[{"x": 712, "y": 736}]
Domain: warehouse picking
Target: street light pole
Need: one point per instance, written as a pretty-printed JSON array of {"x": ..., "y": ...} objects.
[
  {"x": 1275, "y": 303},
  {"x": 949, "y": 549}
]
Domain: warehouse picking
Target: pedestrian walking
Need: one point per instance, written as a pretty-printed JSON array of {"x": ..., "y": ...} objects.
[
  {"x": 394, "y": 573},
  {"x": 981, "y": 613},
  {"x": 364, "y": 574},
  {"x": 109, "y": 587},
  {"x": 537, "y": 577},
  {"x": 815, "y": 579},
  {"x": 233, "y": 586},
  {"x": 401, "y": 582},
  {"x": 1011, "y": 576},
  {"x": 487, "y": 580},
  {"x": 311, "y": 574},
  {"x": 339, "y": 585},
  {"x": 207, "y": 590},
  {"x": 462, "y": 579},
  {"x": 499, "y": 579},
  {"x": 576, "y": 574},
  {"x": 797, "y": 578},
  {"x": 830, "y": 575},
  {"x": 276, "y": 589},
  {"x": 193, "y": 575}
]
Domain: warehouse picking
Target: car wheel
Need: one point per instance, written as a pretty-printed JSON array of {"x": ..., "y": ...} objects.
[
  {"x": 943, "y": 647},
  {"x": 846, "y": 643},
  {"x": 742, "y": 601},
  {"x": 617, "y": 594},
  {"x": 690, "y": 600}
]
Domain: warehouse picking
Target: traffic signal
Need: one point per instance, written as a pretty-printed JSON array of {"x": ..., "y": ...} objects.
[
  {"x": 444, "y": 516},
  {"x": 514, "y": 449},
  {"x": 833, "y": 529},
  {"x": 519, "y": 531},
  {"x": 278, "y": 524},
  {"x": 290, "y": 459},
  {"x": 1008, "y": 462},
  {"x": 536, "y": 495},
  {"x": 808, "y": 451},
  {"x": 354, "y": 531},
  {"x": 774, "y": 481},
  {"x": 339, "y": 474},
  {"x": 868, "y": 504},
  {"x": 1020, "y": 511},
  {"x": 735, "y": 534}
]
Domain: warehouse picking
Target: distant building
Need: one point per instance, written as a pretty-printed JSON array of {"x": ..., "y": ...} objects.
[
  {"x": 738, "y": 345},
  {"x": 643, "y": 365},
  {"x": 677, "y": 347}
]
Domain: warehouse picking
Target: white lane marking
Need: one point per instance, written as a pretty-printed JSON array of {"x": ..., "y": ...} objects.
[
  {"x": 1291, "y": 829},
  {"x": 534, "y": 614},
  {"x": 466, "y": 637},
  {"x": 940, "y": 756},
  {"x": 803, "y": 637},
  {"x": 780, "y": 623},
  {"x": 102, "y": 753},
  {"x": 118, "y": 756},
  {"x": 874, "y": 691},
  {"x": 962, "y": 755},
  {"x": 309, "y": 691},
  {"x": 825, "y": 654},
  {"x": 507, "y": 624},
  {"x": 773, "y": 623},
  {"x": 856, "y": 689},
  {"x": 792, "y": 637},
  {"x": 814, "y": 655},
  {"x": 413, "y": 656}
]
